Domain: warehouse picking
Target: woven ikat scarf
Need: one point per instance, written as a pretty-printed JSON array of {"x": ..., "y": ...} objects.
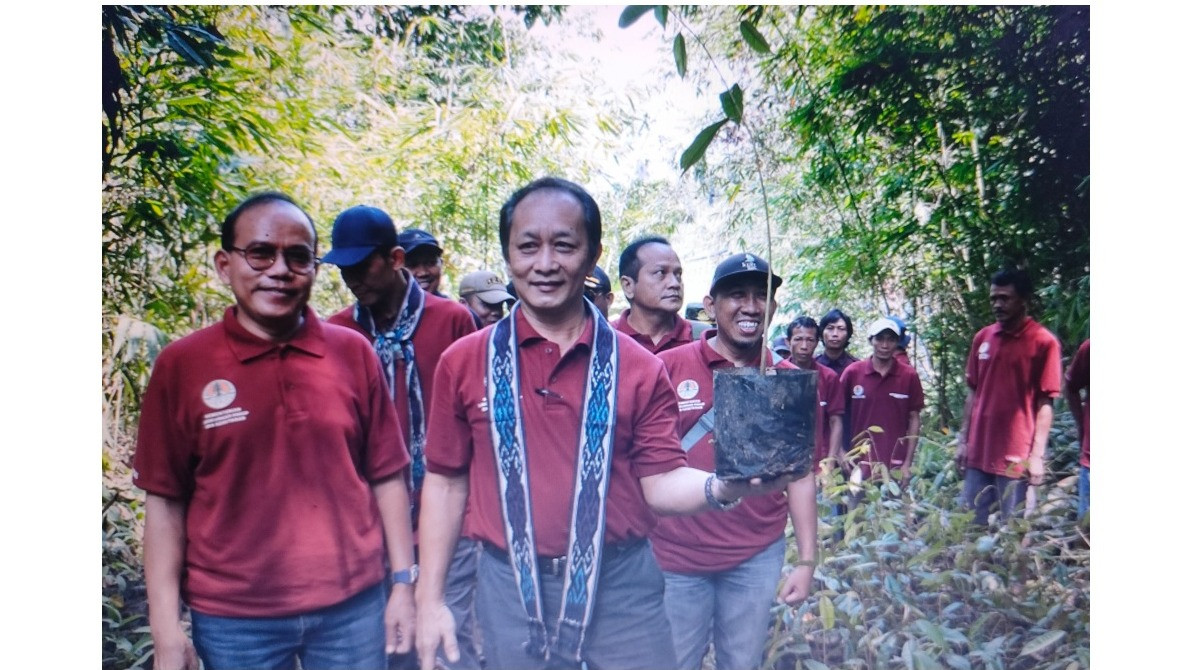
[
  {"x": 586, "y": 540},
  {"x": 395, "y": 345}
]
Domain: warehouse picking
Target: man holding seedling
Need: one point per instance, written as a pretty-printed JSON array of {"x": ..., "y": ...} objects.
[{"x": 721, "y": 567}]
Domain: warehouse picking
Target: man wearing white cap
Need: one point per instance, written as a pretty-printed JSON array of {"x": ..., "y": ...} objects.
[
  {"x": 885, "y": 393},
  {"x": 484, "y": 293}
]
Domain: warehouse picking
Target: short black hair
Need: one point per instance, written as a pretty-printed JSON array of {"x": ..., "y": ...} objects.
[
  {"x": 227, "y": 230},
  {"x": 630, "y": 265},
  {"x": 1020, "y": 280},
  {"x": 802, "y": 322},
  {"x": 591, "y": 211},
  {"x": 832, "y": 317}
]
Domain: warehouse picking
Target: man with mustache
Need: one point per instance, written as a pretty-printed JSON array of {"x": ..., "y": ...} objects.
[
  {"x": 652, "y": 281},
  {"x": 274, "y": 471},
  {"x": 1013, "y": 374}
]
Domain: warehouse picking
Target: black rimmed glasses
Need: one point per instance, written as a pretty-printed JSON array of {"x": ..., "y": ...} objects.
[{"x": 299, "y": 259}]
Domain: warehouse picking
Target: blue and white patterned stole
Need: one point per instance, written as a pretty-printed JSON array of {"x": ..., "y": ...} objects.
[
  {"x": 593, "y": 461},
  {"x": 395, "y": 345}
]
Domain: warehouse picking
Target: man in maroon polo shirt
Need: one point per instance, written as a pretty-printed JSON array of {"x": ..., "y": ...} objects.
[
  {"x": 721, "y": 567},
  {"x": 885, "y": 393},
  {"x": 409, "y": 328},
  {"x": 1013, "y": 375},
  {"x": 272, "y": 464},
  {"x": 552, "y": 441},
  {"x": 652, "y": 281},
  {"x": 802, "y": 335}
]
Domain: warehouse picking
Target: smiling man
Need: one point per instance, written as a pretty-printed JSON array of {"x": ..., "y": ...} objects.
[
  {"x": 652, "y": 281},
  {"x": 721, "y": 568},
  {"x": 424, "y": 259},
  {"x": 273, "y": 468},
  {"x": 409, "y": 330},
  {"x": 1013, "y": 375},
  {"x": 552, "y": 442}
]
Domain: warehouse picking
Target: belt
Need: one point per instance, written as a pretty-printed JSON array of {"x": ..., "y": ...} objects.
[{"x": 556, "y": 566}]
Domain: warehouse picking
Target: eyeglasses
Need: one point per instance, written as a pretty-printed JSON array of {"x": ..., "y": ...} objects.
[{"x": 300, "y": 260}]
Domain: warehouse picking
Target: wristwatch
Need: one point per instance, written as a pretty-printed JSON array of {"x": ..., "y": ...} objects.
[
  {"x": 407, "y": 576},
  {"x": 713, "y": 502}
]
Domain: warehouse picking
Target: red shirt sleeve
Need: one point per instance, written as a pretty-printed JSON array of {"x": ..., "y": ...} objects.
[
  {"x": 162, "y": 462},
  {"x": 448, "y": 434},
  {"x": 917, "y": 400},
  {"x": 385, "y": 445},
  {"x": 835, "y": 394},
  {"x": 655, "y": 448},
  {"x": 1051, "y": 379}
]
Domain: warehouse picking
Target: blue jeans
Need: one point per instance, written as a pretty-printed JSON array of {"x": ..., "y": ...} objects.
[
  {"x": 628, "y": 627},
  {"x": 1083, "y": 487},
  {"x": 982, "y": 490},
  {"x": 347, "y": 635},
  {"x": 729, "y": 609}
]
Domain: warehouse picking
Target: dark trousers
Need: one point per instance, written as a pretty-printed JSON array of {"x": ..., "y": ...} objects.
[
  {"x": 983, "y": 490},
  {"x": 629, "y": 628}
]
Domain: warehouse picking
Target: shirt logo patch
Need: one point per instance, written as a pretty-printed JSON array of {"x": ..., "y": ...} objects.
[
  {"x": 900, "y": 396},
  {"x": 688, "y": 389},
  {"x": 983, "y": 351},
  {"x": 219, "y": 393},
  {"x": 858, "y": 391}
]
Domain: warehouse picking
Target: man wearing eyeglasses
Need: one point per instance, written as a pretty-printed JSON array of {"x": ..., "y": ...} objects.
[
  {"x": 410, "y": 328},
  {"x": 273, "y": 469}
]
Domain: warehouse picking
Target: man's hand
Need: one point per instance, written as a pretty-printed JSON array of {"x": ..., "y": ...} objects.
[
  {"x": 1034, "y": 466},
  {"x": 399, "y": 620},
  {"x": 733, "y": 490},
  {"x": 436, "y": 625},
  {"x": 797, "y": 586},
  {"x": 172, "y": 650},
  {"x": 961, "y": 450}
]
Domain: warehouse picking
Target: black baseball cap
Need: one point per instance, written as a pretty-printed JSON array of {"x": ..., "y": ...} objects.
[
  {"x": 741, "y": 265},
  {"x": 357, "y": 232},
  {"x": 598, "y": 281},
  {"x": 413, "y": 238}
]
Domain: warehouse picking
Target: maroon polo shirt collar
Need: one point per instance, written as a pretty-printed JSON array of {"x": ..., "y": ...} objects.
[
  {"x": 246, "y": 346},
  {"x": 527, "y": 335},
  {"x": 712, "y": 358}
]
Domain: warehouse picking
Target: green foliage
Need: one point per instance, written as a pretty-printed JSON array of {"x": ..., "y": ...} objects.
[
  {"x": 909, "y": 152},
  {"x": 908, "y": 581}
]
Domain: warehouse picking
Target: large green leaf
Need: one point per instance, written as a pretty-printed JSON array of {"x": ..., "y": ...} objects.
[
  {"x": 632, "y": 13},
  {"x": 680, "y": 49},
  {"x": 732, "y": 102},
  {"x": 1042, "y": 644},
  {"x": 754, "y": 38},
  {"x": 693, "y": 153}
]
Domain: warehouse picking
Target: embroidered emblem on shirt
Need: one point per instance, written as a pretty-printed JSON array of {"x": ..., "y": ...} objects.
[
  {"x": 858, "y": 391},
  {"x": 219, "y": 393},
  {"x": 687, "y": 389},
  {"x": 983, "y": 351}
]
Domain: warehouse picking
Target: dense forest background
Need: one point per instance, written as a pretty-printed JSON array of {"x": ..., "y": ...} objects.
[{"x": 899, "y": 155}]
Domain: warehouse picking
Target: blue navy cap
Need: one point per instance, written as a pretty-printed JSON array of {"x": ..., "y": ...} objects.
[
  {"x": 357, "y": 232},
  {"x": 412, "y": 238}
]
